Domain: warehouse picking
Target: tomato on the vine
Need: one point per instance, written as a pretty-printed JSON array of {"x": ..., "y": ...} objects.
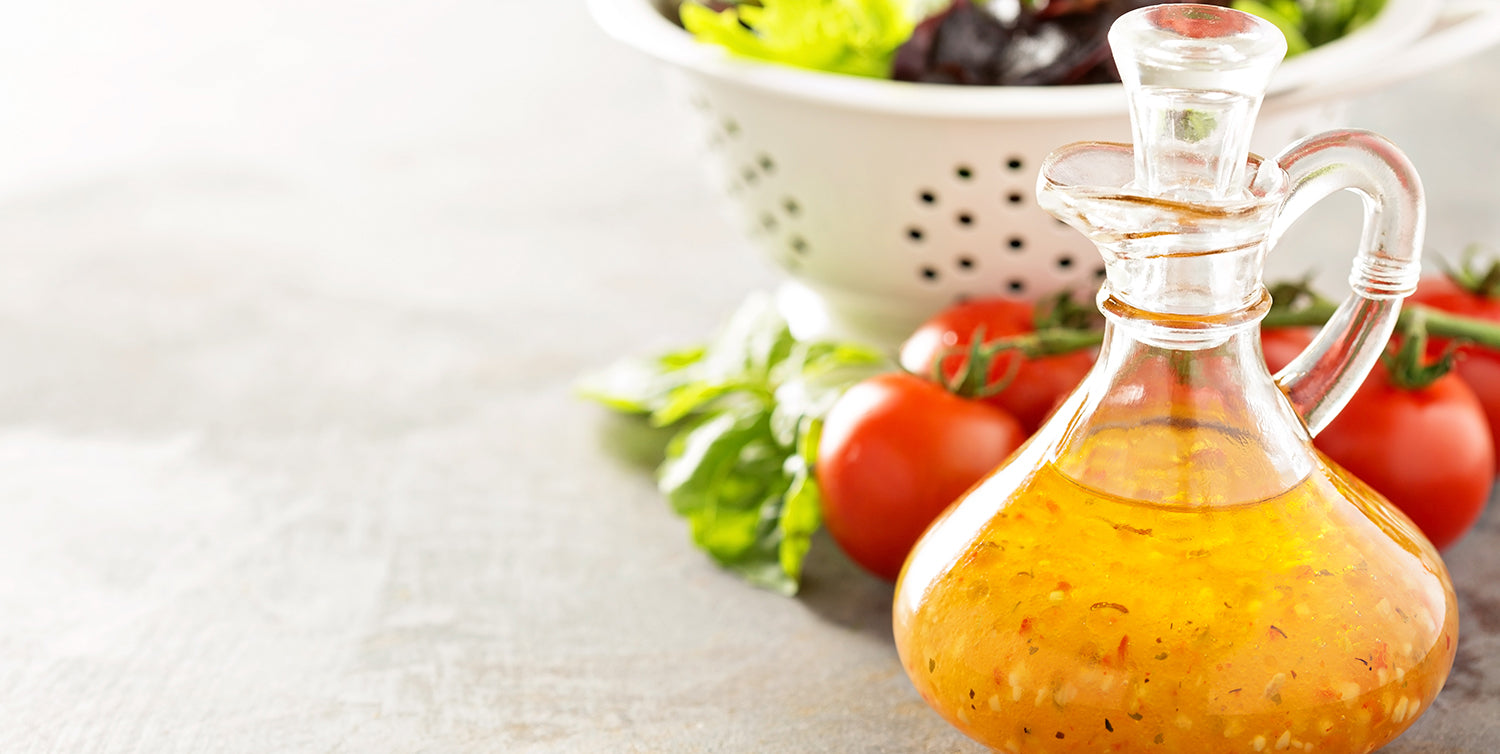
[
  {"x": 1282, "y": 344},
  {"x": 1036, "y": 385},
  {"x": 896, "y": 450},
  {"x": 1427, "y": 450},
  {"x": 1478, "y": 367}
]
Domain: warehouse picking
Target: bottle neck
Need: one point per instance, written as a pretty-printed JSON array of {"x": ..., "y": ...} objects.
[
  {"x": 1181, "y": 411},
  {"x": 1196, "y": 291}
]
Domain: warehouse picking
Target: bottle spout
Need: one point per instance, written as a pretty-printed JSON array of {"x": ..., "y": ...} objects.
[{"x": 1195, "y": 76}]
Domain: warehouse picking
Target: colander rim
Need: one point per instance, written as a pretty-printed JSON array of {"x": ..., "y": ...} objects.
[{"x": 1318, "y": 73}]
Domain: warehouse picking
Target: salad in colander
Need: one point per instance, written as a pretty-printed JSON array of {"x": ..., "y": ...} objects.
[{"x": 980, "y": 42}]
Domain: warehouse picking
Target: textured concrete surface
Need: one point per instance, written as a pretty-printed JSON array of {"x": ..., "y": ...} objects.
[{"x": 291, "y": 295}]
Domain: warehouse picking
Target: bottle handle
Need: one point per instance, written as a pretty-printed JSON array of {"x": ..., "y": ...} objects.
[{"x": 1321, "y": 379}]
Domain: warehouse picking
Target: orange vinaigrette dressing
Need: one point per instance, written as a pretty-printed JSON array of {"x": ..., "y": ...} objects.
[{"x": 1076, "y": 621}]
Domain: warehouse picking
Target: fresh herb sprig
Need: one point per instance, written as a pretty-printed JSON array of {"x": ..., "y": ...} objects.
[{"x": 747, "y": 411}]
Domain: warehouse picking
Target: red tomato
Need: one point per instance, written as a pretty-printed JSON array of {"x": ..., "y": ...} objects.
[
  {"x": 896, "y": 450},
  {"x": 1478, "y": 367},
  {"x": 1428, "y": 451},
  {"x": 1038, "y": 384},
  {"x": 1282, "y": 344}
]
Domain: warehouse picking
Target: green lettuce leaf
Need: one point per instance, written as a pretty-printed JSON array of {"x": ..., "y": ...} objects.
[
  {"x": 1310, "y": 23},
  {"x": 857, "y": 37}
]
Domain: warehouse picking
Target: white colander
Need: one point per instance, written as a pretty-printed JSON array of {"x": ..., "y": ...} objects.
[{"x": 886, "y": 201}]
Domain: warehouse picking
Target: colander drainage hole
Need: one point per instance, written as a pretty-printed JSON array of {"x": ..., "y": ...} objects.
[
  {"x": 965, "y": 263},
  {"x": 799, "y": 245},
  {"x": 768, "y": 221},
  {"x": 1099, "y": 272},
  {"x": 965, "y": 219},
  {"x": 1014, "y": 198},
  {"x": 929, "y": 274},
  {"x": 731, "y": 127},
  {"x": 1016, "y": 242},
  {"x": 1065, "y": 262},
  {"x": 928, "y": 197},
  {"x": 1014, "y": 163},
  {"x": 914, "y": 233},
  {"x": 766, "y": 163},
  {"x": 750, "y": 176},
  {"x": 964, "y": 172},
  {"x": 1016, "y": 286},
  {"x": 791, "y": 206}
]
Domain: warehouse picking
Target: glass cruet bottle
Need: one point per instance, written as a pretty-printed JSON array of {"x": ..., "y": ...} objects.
[{"x": 1169, "y": 565}]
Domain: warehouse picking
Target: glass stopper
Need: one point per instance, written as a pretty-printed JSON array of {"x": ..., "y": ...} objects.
[{"x": 1195, "y": 76}]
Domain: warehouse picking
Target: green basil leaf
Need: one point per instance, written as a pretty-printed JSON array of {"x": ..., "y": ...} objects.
[
  {"x": 725, "y": 476},
  {"x": 721, "y": 467},
  {"x": 808, "y": 437},
  {"x": 692, "y": 398},
  {"x": 641, "y": 385},
  {"x": 701, "y": 456},
  {"x": 729, "y": 533},
  {"x": 755, "y": 338},
  {"x": 748, "y": 409},
  {"x": 824, "y": 370},
  {"x": 798, "y": 400},
  {"x": 800, "y": 518},
  {"x": 792, "y": 402},
  {"x": 827, "y": 356},
  {"x": 803, "y": 512},
  {"x": 762, "y": 562},
  {"x": 770, "y": 345}
]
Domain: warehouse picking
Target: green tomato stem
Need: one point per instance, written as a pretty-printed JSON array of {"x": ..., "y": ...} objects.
[
  {"x": 1438, "y": 323},
  {"x": 972, "y": 381},
  {"x": 1445, "y": 325}
]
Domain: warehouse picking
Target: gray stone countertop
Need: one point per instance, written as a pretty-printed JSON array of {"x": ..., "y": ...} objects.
[{"x": 291, "y": 299}]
